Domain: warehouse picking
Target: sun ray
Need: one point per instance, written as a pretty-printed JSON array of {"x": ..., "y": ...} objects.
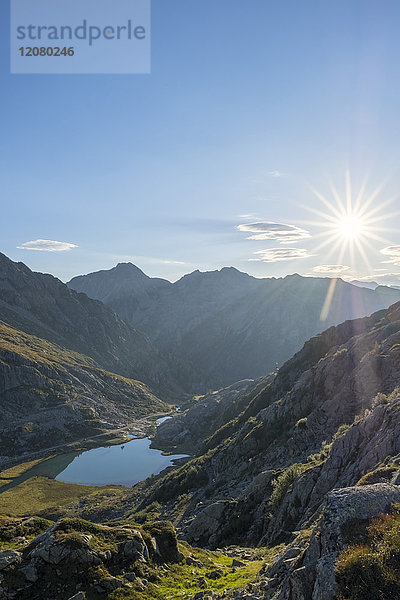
[
  {"x": 328, "y": 204},
  {"x": 327, "y": 242},
  {"x": 363, "y": 253},
  {"x": 319, "y": 213},
  {"x": 372, "y": 197},
  {"x": 378, "y": 238},
  {"x": 380, "y": 207},
  {"x": 348, "y": 193},
  {"x": 337, "y": 198},
  {"x": 357, "y": 204}
]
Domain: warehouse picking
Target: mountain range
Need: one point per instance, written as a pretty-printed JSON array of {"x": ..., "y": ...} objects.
[{"x": 229, "y": 325}]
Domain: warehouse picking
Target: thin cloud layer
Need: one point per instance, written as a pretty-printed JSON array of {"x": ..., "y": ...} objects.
[
  {"x": 393, "y": 252},
  {"x": 275, "y": 173},
  {"x": 269, "y": 230},
  {"x": 280, "y": 254},
  {"x": 173, "y": 262},
  {"x": 47, "y": 246},
  {"x": 330, "y": 269}
]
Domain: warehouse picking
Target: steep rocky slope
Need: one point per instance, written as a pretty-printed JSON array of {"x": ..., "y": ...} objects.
[
  {"x": 50, "y": 396},
  {"x": 42, "y": 305},
  {"x": 230, "y": 325},
  {"x": 331, "y": 382},
  {"x": 321, "y": 439},
  {"x": 189, "y": 429}
]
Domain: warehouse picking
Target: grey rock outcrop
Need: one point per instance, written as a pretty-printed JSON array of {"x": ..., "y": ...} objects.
[{"x": 311, "y": 575}]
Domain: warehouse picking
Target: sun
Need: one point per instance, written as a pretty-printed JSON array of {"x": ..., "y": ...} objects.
[
  {"x": 351, "y": 223},
  {"x": 351, "y": 227}
]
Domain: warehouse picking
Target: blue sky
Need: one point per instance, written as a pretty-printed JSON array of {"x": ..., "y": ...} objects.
[{"x": 248, "y": 105}]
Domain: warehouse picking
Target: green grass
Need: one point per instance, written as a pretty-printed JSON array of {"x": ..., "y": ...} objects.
[
  {"x": 181, "y": 580},
  {"x": 381, "y": 475},
  {"x": 40, "y": 494},
  {"x": 166, "y": 578},
  {"x": 282, "y": 483},
  {"x": 11, "y": 529},
  {"x": 20, "y": 469}
]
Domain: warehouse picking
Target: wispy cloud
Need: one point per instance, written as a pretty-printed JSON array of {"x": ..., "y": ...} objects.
[
  {"x": 393, "y": 252},
  {"x": 47, "y": 246},
  {"x": 275, "y": 173},
  {"x": 269, "y": 230},
  {"x": 377, "y": 276},
  {"x": 273, "y": 255},
  {"x": 173, "y": 262},
  {"x": 329, "y": 269},
  {"x": 248, "y": 216}
]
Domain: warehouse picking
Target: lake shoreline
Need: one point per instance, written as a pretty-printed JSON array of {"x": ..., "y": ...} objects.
[{"x": 138, "y": 429}]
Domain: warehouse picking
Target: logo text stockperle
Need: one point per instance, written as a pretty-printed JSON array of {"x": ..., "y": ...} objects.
[{"x": 91, "y": 33}]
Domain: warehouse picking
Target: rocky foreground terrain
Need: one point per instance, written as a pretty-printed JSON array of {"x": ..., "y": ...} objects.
[{"x": 309, "y": 463}]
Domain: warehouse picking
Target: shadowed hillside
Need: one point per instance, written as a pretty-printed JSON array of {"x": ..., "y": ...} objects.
[{"x": 230, "y": 325}]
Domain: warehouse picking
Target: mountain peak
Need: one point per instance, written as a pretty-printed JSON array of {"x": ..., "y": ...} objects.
[{"x": 128, "y": 269}]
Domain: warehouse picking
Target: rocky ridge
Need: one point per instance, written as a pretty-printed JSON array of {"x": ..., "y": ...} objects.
[{"x": 230, "y": 325}]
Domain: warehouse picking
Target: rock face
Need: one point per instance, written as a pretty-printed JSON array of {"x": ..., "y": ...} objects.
[
  {"x": 43, "y": 306},
  {"x": 50, "y": 396},
  {"x": 311, "y": 575},
  {"x": 229, "y": 325}
]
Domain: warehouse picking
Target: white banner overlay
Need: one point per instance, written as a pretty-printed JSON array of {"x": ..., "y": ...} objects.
[{"x": 80, "y": 36}]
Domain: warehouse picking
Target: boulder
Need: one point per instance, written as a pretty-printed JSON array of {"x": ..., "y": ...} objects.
[
  {"x": 9, "y": 557},
  {"x": 135, "y": 547}
]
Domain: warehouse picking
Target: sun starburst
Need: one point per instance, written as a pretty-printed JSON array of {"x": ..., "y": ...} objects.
[
  {"x": 351, "y": 222},
  {"x": 349, "y": 225}
]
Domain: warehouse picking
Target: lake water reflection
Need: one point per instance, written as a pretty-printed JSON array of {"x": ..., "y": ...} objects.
[{"x": 123, "y": 465}]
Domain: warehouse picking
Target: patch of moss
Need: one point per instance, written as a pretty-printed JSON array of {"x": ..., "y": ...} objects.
[
  {"x": 380, "y": 475},
  {"x": 148, "y": 514},
  {"x": 283, "y": 482}
]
